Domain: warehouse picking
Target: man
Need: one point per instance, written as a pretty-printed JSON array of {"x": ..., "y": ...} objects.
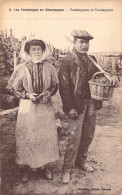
[{"x": 75, "y": 71}]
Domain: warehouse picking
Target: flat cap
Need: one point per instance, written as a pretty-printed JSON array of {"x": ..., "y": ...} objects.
[{"x": 81, "y": 34}]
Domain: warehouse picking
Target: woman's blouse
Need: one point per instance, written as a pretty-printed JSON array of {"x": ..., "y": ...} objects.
[{"x": 37, "y": 72}]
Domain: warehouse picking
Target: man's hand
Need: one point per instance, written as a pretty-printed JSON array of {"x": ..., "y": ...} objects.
[
  {"x": 72, "y": 114},
  {"x": 114, "y": 81}
]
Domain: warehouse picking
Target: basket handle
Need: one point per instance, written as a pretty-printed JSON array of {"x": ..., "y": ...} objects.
[
  {"x": 105, "y": 73},
  {"x": 108, "y": 76}
]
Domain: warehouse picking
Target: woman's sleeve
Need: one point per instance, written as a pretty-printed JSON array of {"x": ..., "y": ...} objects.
[
  {"x": 16, "y": 83},
  {"x": 54, "y": 79},
  {"x": 19, "y": 91},
  {"x": 54, "y": 76},
  {"x": 53, "y": 90}
]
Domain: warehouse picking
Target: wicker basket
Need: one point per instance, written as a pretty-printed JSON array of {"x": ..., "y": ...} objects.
[{"x": 100, "y": 91}]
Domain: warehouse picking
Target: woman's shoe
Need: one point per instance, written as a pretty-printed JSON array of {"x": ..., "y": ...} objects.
[
  {"x": 24, "y": 173},
  {"x": 34, "y": 169},
  {"x": 66, "y": 177},
  {"x": 85, "y": 167},
  {"x": 25, "y": 177},
  {"x": 47, "y": 174}
]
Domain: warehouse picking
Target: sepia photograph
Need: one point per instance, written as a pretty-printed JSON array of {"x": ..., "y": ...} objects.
[{"x": 60, "y": 97}]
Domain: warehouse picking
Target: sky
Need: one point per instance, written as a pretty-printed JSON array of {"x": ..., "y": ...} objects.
[{"x": 53, "y": 27}]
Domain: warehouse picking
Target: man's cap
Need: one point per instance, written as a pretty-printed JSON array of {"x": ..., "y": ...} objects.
[{"x": 81, "y": 34}]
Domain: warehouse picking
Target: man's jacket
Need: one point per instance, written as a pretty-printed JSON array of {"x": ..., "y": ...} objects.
[{"x": 74, "y": 74}]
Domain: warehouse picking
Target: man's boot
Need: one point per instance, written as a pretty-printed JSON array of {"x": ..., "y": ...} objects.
[
  {"x": 66, "y": 177},
  {"x": 85, "y": 167}
]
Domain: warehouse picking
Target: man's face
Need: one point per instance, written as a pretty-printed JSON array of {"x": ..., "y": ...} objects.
[
  {"x": 35, "y": 52},
  {"x": 81, "y": 45}
]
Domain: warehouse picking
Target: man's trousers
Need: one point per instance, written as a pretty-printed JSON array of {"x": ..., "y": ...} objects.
[{"x": 81, "y": 132}]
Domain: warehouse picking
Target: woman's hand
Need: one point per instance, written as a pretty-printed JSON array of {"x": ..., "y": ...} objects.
[
  {"x": 46, "y": 96},
  {"x": 33, "y": 97}
]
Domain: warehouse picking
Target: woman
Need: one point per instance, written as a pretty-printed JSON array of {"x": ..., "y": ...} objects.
[{"x": 34, "y": 82}]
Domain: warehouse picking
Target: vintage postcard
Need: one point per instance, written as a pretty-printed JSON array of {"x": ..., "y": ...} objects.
[{"x": 60, "y": 97}]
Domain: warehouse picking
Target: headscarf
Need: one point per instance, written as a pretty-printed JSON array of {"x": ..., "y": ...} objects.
[{"x": 26, "y": 57}]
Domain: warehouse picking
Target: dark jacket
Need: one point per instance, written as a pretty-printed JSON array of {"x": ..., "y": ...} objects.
[{"x": 74, "y": 75}]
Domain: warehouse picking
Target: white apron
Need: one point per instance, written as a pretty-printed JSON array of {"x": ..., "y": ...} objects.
[{"x": 36, "y": 134}]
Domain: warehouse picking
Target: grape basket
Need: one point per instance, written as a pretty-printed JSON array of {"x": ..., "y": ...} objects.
[{"x": 100, "y": 87}]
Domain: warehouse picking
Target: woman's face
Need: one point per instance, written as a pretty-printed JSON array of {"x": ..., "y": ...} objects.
[{"x": 35, "y": 52}]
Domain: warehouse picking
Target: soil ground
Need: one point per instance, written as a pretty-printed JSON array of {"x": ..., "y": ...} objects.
[{"x": 105, "y": 155}]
